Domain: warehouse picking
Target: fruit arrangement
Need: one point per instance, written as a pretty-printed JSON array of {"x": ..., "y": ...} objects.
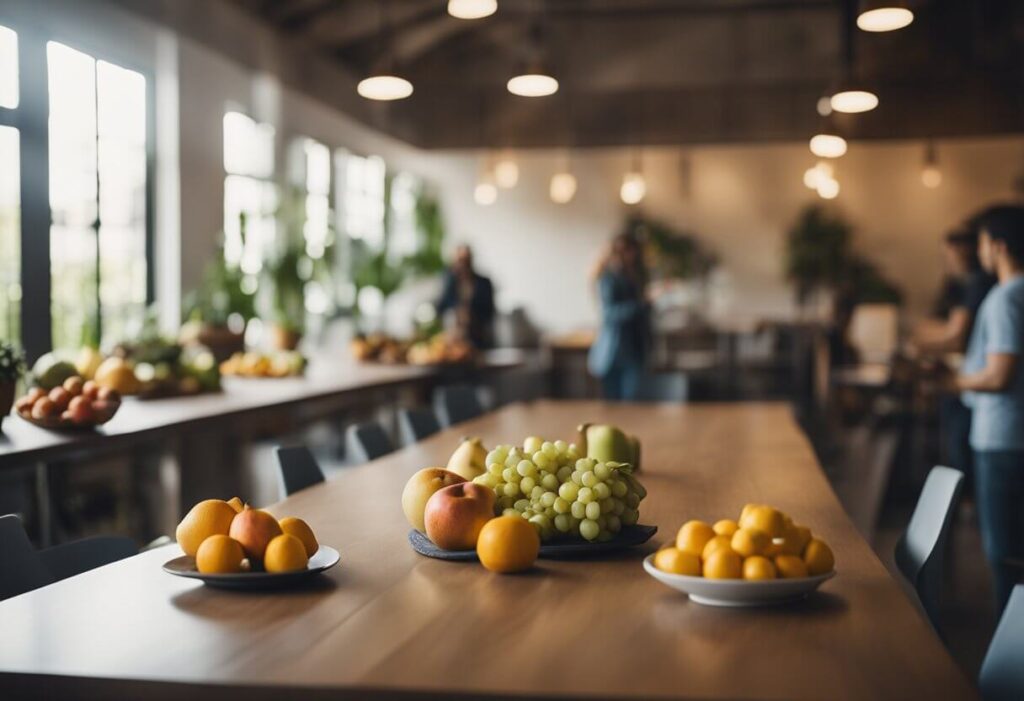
[
  {"x": 282, "y": 363},
  {"x": 437, "y": 350},
  {"x": 763, "y": 544},
  {"x": 226, "y": 537},
  {"x": 552, "y": 487},
  {"x": 76, "y": 403}
]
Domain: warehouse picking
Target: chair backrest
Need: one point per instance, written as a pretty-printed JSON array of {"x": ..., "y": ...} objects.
[
  {"x": 68, "y": 559},
  {"x": 367, "y": 441},
  {"x": 1002, "y": 672},
  {"x": 874, "y": 331},
  {"x": 457, "y": 403},
  {"x": 21, "y": 570},
  {"x": 417, "y": 423},
  {"x": 919, "y": 552},
  {"x": 663, "y": 387},
  {"x": 298, "y": 469}
]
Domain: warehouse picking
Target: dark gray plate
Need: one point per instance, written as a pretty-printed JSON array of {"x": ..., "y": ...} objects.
[
  {"x": 323, "y": 559},
  {"x": 553, "y": 550}
]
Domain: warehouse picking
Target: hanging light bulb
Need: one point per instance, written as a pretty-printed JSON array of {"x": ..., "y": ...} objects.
[
  {"x": 814, "y": 175},
  {"x": 563, "y": 187},
  {"x": 486, "y": 191},
  {"x": 828, "y": 145},
  {"x": 472, "y": 9},
  {"x": 506, "y": 172},
  {"x": 828, "y": 188},
  {"x": 384, "y": 87},
  {"x": 634, "y": 186},
  {"x": 931, "y": 176},
  {"x": 854, "y": 101},
  {"x": 532, "y": 83},
  {"x": 883, "y": 15}
]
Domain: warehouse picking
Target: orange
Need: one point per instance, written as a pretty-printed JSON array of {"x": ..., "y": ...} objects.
[
  {"x": 693, "y": 536},
  {"x": 285, "y": 553},
  {"x": 254, "y": 529},
  {"x": 790, "y": 567},
  {"x": 676, "y": 561},
  {"x": 726, "y": 527},
  {"x": 219, "y": 554},
  {"x": 236, "y": 504},
  {"x": 818, "y": 557},
  {"x": 508, "y": 544},
  {"x": 723, "y": 564},
  {"x": 757, "y": 568},
  {"x": 207, "y": 518},
  {"x": 748, "y": 542},
  {"x": 794, "y": 539},
  {"x": 764, "y": 519},
  {"x": 301, "y": 530},
  {"x": 719, "y": 541}
]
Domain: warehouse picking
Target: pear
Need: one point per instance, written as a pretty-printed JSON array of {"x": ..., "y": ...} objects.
[
  {"x": 469, "y": 459},
  {"x": 606, "y": 443}
]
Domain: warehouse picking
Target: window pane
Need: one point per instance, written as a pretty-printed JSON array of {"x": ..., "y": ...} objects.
[
  {"x": 361, "y": 198},
  {"x": 248, "y": 146},
  {"x": 10, "y": 236},
  {"x": 8, "y": 68}
]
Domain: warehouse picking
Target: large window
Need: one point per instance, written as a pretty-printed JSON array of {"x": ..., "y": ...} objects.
[
  {"x": 360, "y": 197},
  {"x": 98, "y": 163},
  {"x": 250, "y": 195},
  {"x": 10, "y": 198}
]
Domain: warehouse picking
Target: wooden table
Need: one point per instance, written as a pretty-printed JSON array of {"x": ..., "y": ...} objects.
[{"x": 388, "y": 623}]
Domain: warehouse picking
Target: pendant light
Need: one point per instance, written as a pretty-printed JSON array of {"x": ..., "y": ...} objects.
[
  {"x": 535, "y": 80},
  {"x": 853, "y": 101},
  {"x": 506, "y": 171},
  {"x": 817, "y": 174},
  {"x": 384, "y": 84},
  {"x": 931, "y": 175},
  {"x": 883, "y": 15},
  {"x": 486, "y": 191},
  {"x": 472, "y": 9},
  {"x": 828, "y": 189},
  {"x": 851, "y": 97},
  {"x": 827, "y": 145},
  {"x": 634, "y": 186},
  {"x": 563, "y": 183}
]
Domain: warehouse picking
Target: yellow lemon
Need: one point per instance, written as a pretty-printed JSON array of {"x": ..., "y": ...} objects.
[
  {"x": 723, "y": 564},
  {"x": 219, "y": 554},
  {"x": 764, "y": 519},
  {"x": 301, "y": 530},
  {"x": 747, "y": 508},
  {"x": 794, "y": 540},
  {"x": 207, "y": 518},
  {"x": 726, "y": 527},
  {"x": 677, "y": 561},
  {"x": 285, "y": 553},
  {"x": 748, "y": 542},
  {"x": 757, "y": 567},
  {"x": 818, "y": 557},
  {"x": 719, "y": 541},
  {"x": 693, "y": 536},
  {"x": 236, "y": 504},
  {"x": 790, "y": 567}
]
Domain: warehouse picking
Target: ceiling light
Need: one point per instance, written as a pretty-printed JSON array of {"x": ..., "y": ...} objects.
[
  {"x": 883, "y": 15},
  {"x": 533, "y": 84},
  {"x": 563, "y": 187},
  {"x": 814, "y": 175},
  {"x": 828, "y": 146},
  {"x": 854, "y": 101},
  {"x": 824, "y": 106},
  {"x": 384, "y": 87},
  {"x": 828, "y": 189},
  {"x": 472, "y": 9},
  {"x": 485, "y": 193},
  {"x": 634, "y": 188},
  {"x": 506, "y": 172},
  {"x": 931, "y": 176}
]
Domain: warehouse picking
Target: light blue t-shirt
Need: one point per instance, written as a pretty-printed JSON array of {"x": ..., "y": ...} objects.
[{"x": 998, "y": 419}]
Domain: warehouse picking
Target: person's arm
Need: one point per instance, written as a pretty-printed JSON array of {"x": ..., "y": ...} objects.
[
  {"x": 994, "y": 377},
  {"x": 1005, "y": 341},
  {"x": 616, "y": 310},
  {"x": 948, "y": 335}
]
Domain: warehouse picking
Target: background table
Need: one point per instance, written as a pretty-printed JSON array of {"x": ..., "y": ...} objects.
[{"x": 388, "y": 623}]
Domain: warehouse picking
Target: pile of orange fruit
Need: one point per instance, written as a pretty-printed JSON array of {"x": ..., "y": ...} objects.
[
  {"x": 764, "y": 543},
  {"x": 229, "y": 536}
]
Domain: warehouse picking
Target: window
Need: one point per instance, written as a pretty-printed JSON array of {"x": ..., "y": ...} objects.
[
  {"x": 403, "y": 229},
  {"x": 10, "y": 194},
  {"x": 250, "y": 195},
  {"x": 312, "y": 161},
  {"x": 9, "y": 91},
  {"x": 98, "y": 164},
  {"x": 360, "y": 197}
]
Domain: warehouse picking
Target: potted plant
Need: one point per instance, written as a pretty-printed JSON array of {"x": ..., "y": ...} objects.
[{"x": 12, "y": 366}]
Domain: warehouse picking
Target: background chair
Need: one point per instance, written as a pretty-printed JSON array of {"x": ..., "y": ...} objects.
[
  {"x": 367, "y": 441},
  {"x": 663, "y": 387},
  {"x": 457, "y": 403},
  {"x": 919, "y": 552},
  {"x": 298, "y": 469},
  {"x": 1002, "y": 672},
  {"x": 417, "y": 423},
  {"x": 68, "y": 559}
]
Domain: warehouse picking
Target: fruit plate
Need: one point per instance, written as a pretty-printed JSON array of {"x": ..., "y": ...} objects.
[
  {"x": 628, "y": 537},
  {"x": 737, "y": 592},
  {"x": 323, "y": 559},
  {"x": 56, "y": 423}
]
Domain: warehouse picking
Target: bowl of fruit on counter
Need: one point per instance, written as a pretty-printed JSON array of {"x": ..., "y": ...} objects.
[
  {"x": 274, "y": 364},
  {"x": 74, "y": 404},
  {"x": 762, "y": 558},
  {"x": 576, "y": 502}
]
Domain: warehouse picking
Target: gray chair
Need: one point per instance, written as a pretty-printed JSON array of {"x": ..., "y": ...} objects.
[
  {"x": 1002, "y": 672},
  {"x": 68, "y": 559},
  {"x": 367, "y": 441},
  {"x": 298, "y": 469},
  {"x": 663, "y": 387},
  {"x": 920, "y": 551},
  {"x": 457, "y": 403},
  {"x": 417, "y": 423}
]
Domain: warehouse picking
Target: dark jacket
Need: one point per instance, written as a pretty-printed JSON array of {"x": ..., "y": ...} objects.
[
  {"x": 625, "y": 334},
  {"x": 481, "y": 306}
]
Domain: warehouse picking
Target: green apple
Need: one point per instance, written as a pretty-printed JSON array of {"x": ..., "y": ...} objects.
[{"x": 606, "y": 443}]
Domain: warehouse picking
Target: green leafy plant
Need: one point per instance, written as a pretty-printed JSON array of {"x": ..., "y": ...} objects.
[
  {"x": 674, "y": 254},
  {"x": 221, "y": 294},
  {"x": 12, "y": 362},
  {"x": 427, "y": 260}
]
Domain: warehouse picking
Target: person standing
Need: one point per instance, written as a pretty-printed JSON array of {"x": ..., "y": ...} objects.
[
  {"x": 618, "y": 356},
  {"x": 992, "y": 382},
  {"x": 471, "y": 296}
]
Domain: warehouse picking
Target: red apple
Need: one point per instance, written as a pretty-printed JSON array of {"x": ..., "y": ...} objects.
[
  {"x": 81, "y": 411},
  {"x": 455, "y": 515},
  {"x": 420, "y": 488},
  {"x": 60, "y": 398}
]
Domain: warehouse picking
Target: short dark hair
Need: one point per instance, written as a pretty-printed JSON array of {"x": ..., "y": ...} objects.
[
  {"x": 965, "y": 241},
  {"x": 1005, "y": 223}
]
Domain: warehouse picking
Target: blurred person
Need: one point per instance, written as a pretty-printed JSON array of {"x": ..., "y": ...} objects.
[
  {"x": 619, "y": 355},
  {"x": 470, "y": 296},
  {"x": 992, "y": 382}
]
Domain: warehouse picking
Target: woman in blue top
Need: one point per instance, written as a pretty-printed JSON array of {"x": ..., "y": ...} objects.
[{"x": 619, "y": 355}]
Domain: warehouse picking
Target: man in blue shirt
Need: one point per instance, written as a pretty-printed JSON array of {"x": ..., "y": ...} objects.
[{"x": 992, "y": 382}]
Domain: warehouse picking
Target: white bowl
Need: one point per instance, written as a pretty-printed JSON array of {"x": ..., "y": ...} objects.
[{"x": 737, "y": 592}]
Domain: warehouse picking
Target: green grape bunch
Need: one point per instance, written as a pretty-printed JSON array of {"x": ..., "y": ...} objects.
[{"x": 560, "y": 492}]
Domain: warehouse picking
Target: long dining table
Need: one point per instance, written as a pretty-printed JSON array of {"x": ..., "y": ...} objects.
[{"x": 388, "y": 623}]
